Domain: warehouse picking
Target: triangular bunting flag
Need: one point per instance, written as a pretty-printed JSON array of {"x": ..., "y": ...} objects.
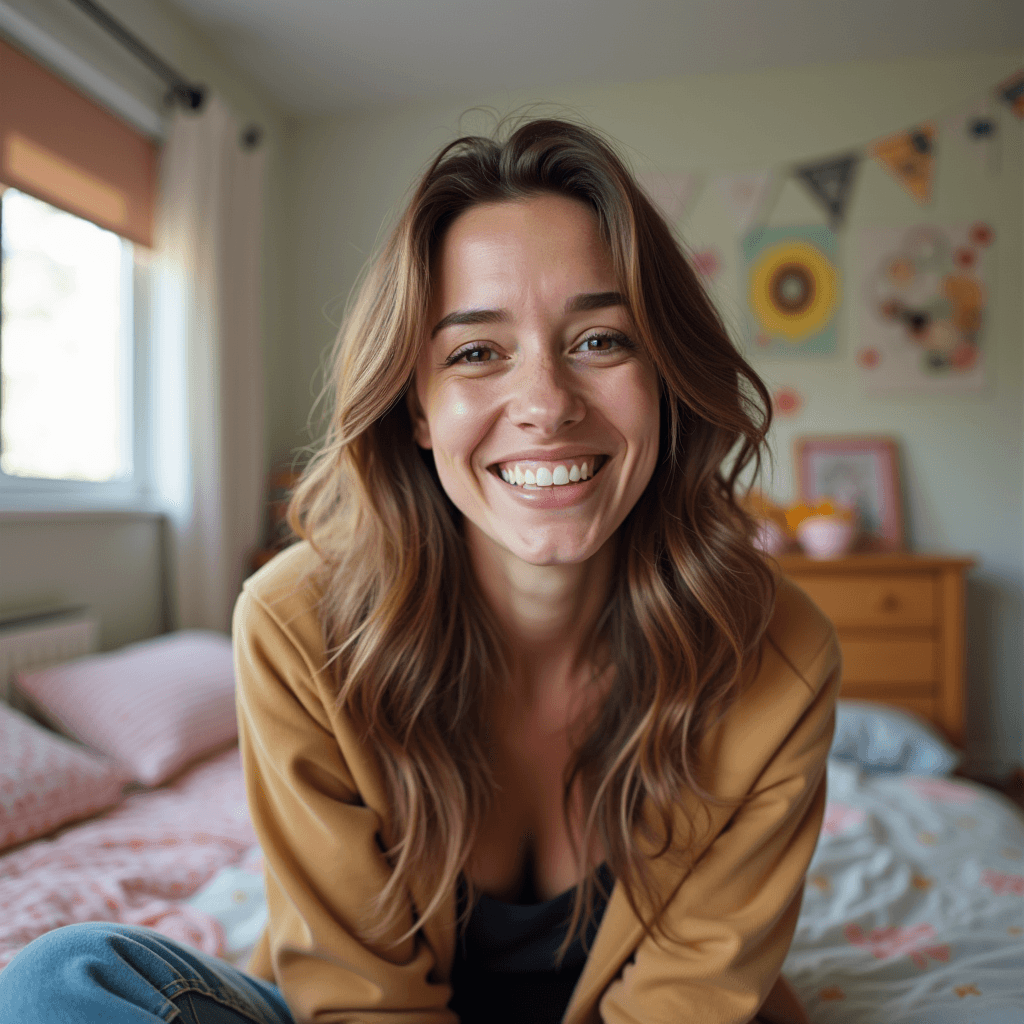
[
  {"x": 746, "y": 195},
  {"x": 910, "y": 157},
  {"x": 830, "y": 182},
  {"x": 671, "y": 193},
  {"x": 1012, "y": 91},
  {"x": 978, "y": 128}
]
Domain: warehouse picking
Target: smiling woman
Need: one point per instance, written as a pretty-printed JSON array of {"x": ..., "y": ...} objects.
[{"x": 531, "y": 731}]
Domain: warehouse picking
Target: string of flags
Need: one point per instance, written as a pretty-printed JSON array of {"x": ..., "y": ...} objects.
[
  {"x": 909, "y": 156},
  {"x": 922, "y": 296}
]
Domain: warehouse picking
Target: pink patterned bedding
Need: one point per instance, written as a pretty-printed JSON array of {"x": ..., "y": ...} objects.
[{"x": 136, "y": 863}]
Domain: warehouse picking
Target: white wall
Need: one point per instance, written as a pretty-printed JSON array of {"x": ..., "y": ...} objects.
[
  {"x": 114, "y": 562},
  {"x": 962, "y": 456}
]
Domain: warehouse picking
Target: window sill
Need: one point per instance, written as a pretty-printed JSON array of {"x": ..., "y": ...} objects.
[
  {"x": 22, "y": 502},
  {"x": 75, "y": 515}
]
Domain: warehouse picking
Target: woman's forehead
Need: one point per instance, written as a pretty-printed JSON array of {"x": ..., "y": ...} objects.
[
  {"x": 547, "y": 241},
  {"x": 552, "y": 215}
]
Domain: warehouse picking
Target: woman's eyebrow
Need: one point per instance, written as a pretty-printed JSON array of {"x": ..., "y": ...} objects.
[
  {"x": 582, "y": 303},
  {"x": 594, "y": 300},
  {"x": 472, "y": 316}
]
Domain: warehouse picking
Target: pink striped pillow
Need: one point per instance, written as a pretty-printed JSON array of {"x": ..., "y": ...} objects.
[
  {"x": 46, "y": 780},
  {"x": 153, "y": 706}
]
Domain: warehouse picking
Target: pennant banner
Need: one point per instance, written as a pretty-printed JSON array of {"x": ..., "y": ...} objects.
[
  {"x": 746, "y": 195},
  {"x": 978, "y": 126},
  {"x": 910, "y": 157},
  {"x": 671, "y": 193},
  {"x": 1012, "y": 91},
  {"x": 830, "y": 182}
]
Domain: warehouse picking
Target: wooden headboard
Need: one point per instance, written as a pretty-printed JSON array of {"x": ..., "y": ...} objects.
[{"x": 900, "y": 619}]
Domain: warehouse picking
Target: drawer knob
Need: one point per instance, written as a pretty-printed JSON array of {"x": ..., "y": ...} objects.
[{"x": 890, "y": 603}]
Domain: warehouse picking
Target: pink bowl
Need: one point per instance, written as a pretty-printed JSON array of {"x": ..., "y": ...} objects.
[
  {"x": 770, "y": 538},
  {"x": 826, "y": 536}
]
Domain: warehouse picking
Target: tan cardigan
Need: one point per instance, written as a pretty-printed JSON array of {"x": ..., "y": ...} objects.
[{"x": 317, "y": 802}]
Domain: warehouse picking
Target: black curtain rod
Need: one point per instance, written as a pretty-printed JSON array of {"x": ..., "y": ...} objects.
[{"x": 181, "y": 90}]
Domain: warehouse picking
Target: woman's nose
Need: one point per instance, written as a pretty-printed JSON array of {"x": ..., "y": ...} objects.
[{"x": 545, "y": 397}]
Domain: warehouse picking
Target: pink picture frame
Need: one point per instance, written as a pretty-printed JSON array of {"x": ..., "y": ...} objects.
[{"x": 858, "y": 471}]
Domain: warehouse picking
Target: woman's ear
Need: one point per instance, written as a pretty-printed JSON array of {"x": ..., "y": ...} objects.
[{"x": 420, "y": 428}]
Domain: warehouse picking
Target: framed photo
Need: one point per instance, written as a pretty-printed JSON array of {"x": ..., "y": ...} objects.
[{"x": 858, "y": 472}]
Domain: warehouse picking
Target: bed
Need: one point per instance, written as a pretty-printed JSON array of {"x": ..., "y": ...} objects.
[{"x": 913, "y": 910}]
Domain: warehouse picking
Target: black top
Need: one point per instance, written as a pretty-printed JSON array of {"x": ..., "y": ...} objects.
[{"x": 504, "y": 969}]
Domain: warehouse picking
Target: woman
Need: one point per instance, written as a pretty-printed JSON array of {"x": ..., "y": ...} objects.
[{"x": 530, "y": 731}]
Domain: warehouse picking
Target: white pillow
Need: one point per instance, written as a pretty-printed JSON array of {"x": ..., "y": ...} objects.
[{"x": 881, "y": 738}]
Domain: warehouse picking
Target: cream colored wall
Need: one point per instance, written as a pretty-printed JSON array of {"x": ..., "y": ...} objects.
[
  {"x": 963, "y": 465},
  {"x": 114, "y": 562}
]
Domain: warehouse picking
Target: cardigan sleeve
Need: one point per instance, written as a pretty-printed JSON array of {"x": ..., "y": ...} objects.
[
  {"x": 322, "y": 859},
  {"x": 732, "y": 919}
]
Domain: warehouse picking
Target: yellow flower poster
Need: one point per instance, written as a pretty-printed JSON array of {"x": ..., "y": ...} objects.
[{"x": 792, "y": 289}]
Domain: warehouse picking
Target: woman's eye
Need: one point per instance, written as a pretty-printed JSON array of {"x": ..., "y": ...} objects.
[
  {"x": 473, "y": 354},
  {"x": 603, "y": 343}
]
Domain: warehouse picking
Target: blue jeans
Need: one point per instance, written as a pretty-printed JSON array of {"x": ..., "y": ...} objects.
[{"x": 124, "y": 974}]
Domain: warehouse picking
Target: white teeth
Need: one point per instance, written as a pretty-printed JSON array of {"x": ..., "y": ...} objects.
[{"x": 544, "y": 477}]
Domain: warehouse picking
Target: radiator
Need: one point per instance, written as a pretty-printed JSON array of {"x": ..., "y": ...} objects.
[{"x": 40, "y": 640}]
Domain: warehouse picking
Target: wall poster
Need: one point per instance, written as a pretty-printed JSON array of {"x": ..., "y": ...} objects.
[
  {"x": 923, "y": 307},
  {"x": 792, "y": 289}
]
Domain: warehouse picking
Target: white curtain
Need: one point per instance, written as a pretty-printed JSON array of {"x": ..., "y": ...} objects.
[{"x": 208, "y": 461}]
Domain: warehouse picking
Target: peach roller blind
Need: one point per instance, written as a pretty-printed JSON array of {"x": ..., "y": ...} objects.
[{"x": 60, "y": 146}]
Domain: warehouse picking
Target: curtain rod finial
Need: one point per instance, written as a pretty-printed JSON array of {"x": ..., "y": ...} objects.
[
  {"x": 252, "y": 136},
  {"x": 193, "y": 96},
  {"x": 189, "y": 97}
]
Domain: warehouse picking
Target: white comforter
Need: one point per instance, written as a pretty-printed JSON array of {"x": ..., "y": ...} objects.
[{"x": 914, "y": 907}]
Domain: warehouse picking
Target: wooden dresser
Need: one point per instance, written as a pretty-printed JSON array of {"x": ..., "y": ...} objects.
[{"x": 900, "y": 619}]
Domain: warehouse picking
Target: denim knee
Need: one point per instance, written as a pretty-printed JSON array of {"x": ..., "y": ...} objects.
[{"x": 75, "y": 973}]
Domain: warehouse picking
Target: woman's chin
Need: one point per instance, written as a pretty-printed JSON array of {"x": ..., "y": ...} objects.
[{"x": 541, "y": 551}]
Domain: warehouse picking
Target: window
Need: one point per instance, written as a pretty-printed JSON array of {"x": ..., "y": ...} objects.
[
  {"x": 66, "y": 358},
  {"x": 77, "y": 189}
]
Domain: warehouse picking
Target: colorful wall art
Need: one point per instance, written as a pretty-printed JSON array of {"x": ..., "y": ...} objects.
[
  {"x": 706, "y": 262},
  {"x": 922, "y": 319},
  {"x": 793, "y": 289},
  {"x": 787, "y": 401}
]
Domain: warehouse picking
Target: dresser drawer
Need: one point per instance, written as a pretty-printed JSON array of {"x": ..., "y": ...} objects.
[
  {"x": 890, "y": 661},
  {"x": 863, "y": 602},
  {"x": 923, "y": 704}
]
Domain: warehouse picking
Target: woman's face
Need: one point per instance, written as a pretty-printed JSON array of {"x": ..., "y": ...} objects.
[{"x": 530, "y": 389}]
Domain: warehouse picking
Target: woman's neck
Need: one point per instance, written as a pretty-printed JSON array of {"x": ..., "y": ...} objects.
[{"x": 547, "y": 614}]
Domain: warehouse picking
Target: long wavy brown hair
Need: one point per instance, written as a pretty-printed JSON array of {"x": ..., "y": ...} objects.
[{"x": 416, "y": 654}]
